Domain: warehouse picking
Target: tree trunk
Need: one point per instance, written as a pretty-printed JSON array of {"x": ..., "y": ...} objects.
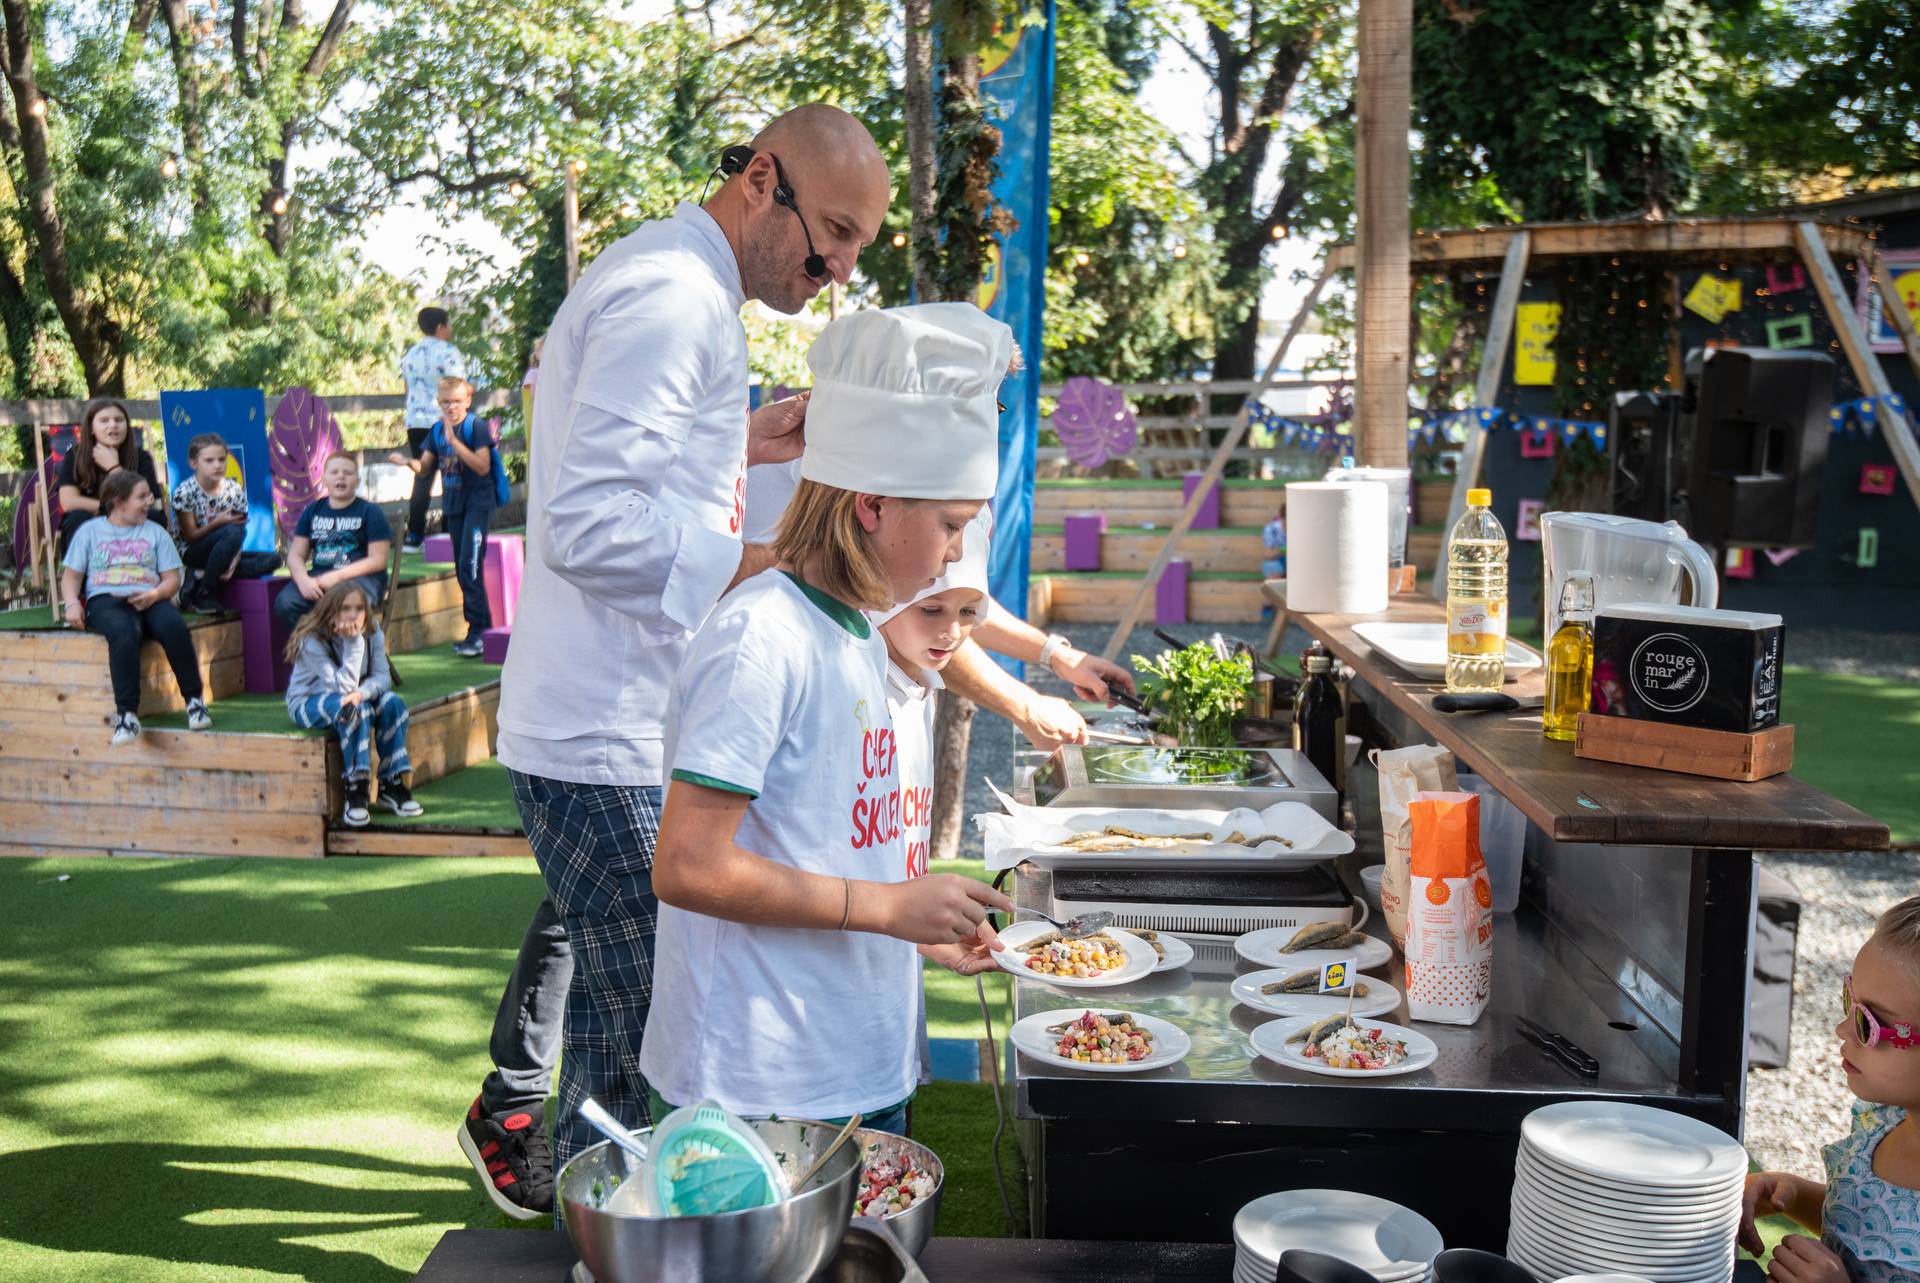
[
  {"x": 181, "y": 38},
  {"x": 922, "y": 233},
  {"x": 952, "y": 740},
  {"x": 95, "y": 337}
]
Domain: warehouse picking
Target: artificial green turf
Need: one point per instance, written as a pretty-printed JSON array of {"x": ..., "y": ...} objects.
[
  {"x": 27, "y": 619},
  {"x": 425, "y": 674},
  {"x": 474, "y": 797},
  {"x": 1854, "y": 737},
  {"x": 252, "y": 1070}
]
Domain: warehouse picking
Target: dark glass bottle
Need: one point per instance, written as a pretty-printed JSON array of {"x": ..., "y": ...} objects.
[{"x": 1320, "y": 720}]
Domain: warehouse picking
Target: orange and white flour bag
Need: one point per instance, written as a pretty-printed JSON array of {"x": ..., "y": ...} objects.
[
  {"x": 1405, "y": 773},
  {"x": 1449, "y": 912}
]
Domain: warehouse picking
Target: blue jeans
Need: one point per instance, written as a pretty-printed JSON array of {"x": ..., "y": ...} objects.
[
  {"x": 215, "y": 554},
  {"x": 467, "y": 528},
  {"x": 594, "y": 845},
  {"x": 380, "y": 722}
]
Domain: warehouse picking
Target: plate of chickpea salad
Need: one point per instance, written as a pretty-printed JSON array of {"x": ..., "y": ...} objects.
[
  {"x": 1101, "y": 1041},
  {"x": 1037, "y": 951}
]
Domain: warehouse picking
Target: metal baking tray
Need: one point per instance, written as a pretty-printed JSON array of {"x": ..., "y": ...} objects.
[{"x": 1180, "y": 778}]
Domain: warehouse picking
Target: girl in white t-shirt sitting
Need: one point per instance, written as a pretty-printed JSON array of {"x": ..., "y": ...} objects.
[{"x": 786, "y": 979}]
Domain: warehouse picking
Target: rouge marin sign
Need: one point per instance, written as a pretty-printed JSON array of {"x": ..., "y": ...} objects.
[
  {"x": 1669, "y": 672},
  {"x": 1714, "y": 668}
]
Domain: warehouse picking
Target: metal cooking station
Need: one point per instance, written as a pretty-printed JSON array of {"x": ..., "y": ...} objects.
[{"x": 1632, "y": 939}]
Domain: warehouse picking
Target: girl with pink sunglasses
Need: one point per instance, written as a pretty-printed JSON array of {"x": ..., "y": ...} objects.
[{"x": 1867, "y": 1215}]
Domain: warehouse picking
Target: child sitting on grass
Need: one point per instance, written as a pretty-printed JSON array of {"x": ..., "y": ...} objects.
[
  {"x": 341, "y": 681},
  {"x": 340, "y": 537},
  {"x": 129, "y": 571},
  {"x": 210, "y": 511},
  {"x": 1868, "y": 1213}
]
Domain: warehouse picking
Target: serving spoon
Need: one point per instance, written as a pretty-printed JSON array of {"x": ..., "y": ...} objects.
[{"x": 1079, "y": 927}]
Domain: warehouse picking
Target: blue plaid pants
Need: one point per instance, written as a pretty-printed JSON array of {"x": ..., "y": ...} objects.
[
  {"x": 377, "y": 723},
  {"x": 594, "y": 845}
]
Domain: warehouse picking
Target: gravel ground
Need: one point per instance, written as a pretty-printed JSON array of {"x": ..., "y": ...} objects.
[{"x": 1793, "y": 1111}]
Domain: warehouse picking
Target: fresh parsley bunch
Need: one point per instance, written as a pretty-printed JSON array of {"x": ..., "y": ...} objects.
[{"x": 1197, "y": 693}]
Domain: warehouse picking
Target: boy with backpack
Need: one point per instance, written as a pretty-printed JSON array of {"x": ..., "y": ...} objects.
[{"x": 472, "y": 484}]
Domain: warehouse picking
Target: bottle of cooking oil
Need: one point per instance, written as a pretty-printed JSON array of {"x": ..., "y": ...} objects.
[
  {"x": 1570, "y": 659},
  {"x": 1477, "y": 598}
]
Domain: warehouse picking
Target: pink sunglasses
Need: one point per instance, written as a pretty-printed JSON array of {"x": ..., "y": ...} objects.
[{"x": 1867, "y": 1026}]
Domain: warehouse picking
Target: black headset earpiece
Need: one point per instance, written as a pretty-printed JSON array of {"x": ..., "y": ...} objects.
[{"x": 735, "y": 159}]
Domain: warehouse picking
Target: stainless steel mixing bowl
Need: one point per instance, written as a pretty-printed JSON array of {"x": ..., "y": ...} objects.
[
  {"x": 914, "y": 1226},
  {"x": 784, "y": 1242}
]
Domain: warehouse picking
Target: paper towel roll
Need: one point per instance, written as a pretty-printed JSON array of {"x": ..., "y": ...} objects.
[{"x": 1337, "y": 547}]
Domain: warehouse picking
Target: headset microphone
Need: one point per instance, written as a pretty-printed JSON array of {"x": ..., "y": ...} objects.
[{"x": 735, "y": 159}]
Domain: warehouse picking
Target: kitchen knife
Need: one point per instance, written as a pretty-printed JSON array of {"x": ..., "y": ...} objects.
[
  {"x": 1486, "y": 702},
  {"x": 1562, "y": 1048}
]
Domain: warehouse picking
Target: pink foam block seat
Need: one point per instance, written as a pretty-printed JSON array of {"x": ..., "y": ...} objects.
[
  {"x": 1208, "y": 518},
  {"x": 1083, "y": 530},
  {"x": 1170, "y": 594},
  {"x": 505, "y": 567},
  {"x": 263, "y": 638},
  {"x": 494, "y": 641},
  {"x": 438, "y": 550}
]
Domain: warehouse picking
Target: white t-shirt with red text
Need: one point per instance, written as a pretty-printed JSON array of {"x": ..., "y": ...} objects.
[{"x": 786, "y": 702}]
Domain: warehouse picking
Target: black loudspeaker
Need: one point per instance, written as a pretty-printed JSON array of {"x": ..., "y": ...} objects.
[
  {"x": 1751, "y": 445},
  {"x": 1640, "y": 451}
]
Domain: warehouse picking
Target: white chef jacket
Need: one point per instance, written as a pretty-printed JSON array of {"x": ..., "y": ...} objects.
[
  {"x": 787, "y": 703},
  {"x": 635, "y": 501}
]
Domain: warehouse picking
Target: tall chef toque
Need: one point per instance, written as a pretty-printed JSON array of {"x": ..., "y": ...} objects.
[{"x": 904, "y": 402}]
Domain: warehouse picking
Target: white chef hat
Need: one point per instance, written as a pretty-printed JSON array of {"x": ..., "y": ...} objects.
[
  {"x": 904, "y": 402},
  {"x": 968, "y": 572}
]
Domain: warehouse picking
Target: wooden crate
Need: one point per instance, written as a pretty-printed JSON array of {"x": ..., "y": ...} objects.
[
  {"x": 1103, "y": 599},
  {"x": 410, "y": 841},
  {"x": 1135, "y": 550},
  {"x": 1690, "y": 750},
  {"x": 61, "y": 677},
  {"x": 1160, "y": 505},
  {"x": 426, "y": 613}
]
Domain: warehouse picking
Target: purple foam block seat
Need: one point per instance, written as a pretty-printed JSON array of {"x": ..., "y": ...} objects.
[
  {"x": 1083, "y": 539},
  {"x": 494, "y": 641},
  {"x": 263, "y": 638},
  {"x": 1170, "y": 594},
  {"x": 1208, "y": 518},
  {"x": 506, "y": 565},
  {"x": 437, "y": 550}
]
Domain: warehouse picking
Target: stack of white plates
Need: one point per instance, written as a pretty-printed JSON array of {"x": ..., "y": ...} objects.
[
  {"x": 1604, "y": 1186},
  {"x": 1386, "y": 1240}
]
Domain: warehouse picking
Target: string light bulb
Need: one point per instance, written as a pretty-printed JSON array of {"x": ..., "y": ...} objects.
[
  {"x": 899, "y": 240},
  {"x": 516, "y": 190},
  {"x": 279, "y": 205},
  {"x": 1179, "y": 249},
  {"x": 577, "y": 166},
  {"x": 169, "y": 167},
  {"x": 1081, "y": 257},
  {"x": 37, "y": 108},
  {"x": 1278, "y": 231}
]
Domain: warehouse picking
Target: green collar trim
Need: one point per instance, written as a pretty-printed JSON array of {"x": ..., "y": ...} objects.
[{"x": 833, "y": 608}]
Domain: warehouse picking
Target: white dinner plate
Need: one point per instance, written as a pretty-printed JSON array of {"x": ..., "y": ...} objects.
[
  {"x": 1588, "y": 1222},
  {"x": 1381, "y": 997},
  {"x": 1560, "y": 1260},
  {"x": 1620, "y": 1193},
  {"x": 1170, "y": 1042},
  {"x": 1383, "y": 1238},
  {"x": 1421, "y": 649},
  {"x": 1662, "y": 1221},
  {"x": 1602, "y": 1278},
  {"x": 1179, "y": 953},
  {"x": 1270, "y": 1040},
  {"x": 1263, "y": 949},
  {"x": 1141, "y": 959},
  {"x": 1625, "y": 1245},
  {"x": 1616, "y": 1140}
]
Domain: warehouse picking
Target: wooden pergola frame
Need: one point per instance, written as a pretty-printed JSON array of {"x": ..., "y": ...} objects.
[{"x": 1814, "y": 243}]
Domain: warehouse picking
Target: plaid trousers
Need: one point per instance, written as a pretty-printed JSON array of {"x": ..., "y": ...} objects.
[{"x": 594, "y": 845}]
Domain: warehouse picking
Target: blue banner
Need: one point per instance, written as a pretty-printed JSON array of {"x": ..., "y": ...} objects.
[
  {"x": 239, "y": 415},
  {"x": 1016, "y": 82}
]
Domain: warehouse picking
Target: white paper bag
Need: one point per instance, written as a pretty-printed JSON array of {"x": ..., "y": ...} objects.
[{"x": 1403, "y": 773}]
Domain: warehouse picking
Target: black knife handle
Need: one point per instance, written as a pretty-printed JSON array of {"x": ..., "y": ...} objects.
[{"x": 1480, "y": 702}]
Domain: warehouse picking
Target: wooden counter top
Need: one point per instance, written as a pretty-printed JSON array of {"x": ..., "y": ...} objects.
[{"x": 1575, "y": 800}]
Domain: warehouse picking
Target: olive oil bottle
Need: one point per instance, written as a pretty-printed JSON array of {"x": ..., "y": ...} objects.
[{"x": 1570, "y": 659}]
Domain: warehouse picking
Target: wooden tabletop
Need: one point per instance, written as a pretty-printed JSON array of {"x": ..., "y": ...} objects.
[{"x": 1576, "y": 800}]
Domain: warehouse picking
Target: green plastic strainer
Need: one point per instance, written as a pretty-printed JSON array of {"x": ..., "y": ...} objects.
[{"x": 704, "y": 1161}]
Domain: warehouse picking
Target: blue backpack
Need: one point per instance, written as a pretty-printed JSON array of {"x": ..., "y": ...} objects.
[{"x": 498, "y": 471}]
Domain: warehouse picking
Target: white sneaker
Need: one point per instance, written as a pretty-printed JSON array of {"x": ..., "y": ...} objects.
[
  {"x": 198, "y": 719},
  {"x": 126, "y": 729}
]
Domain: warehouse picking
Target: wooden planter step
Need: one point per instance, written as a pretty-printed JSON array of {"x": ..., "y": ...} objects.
[{"x": 1690, "y": 750}]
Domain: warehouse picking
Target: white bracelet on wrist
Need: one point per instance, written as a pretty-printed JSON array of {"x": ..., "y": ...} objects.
[{"x": 1051, "y": 649}]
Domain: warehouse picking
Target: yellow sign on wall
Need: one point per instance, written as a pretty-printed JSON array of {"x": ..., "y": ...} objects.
[
  {"x": 1534, "y": 328},
  {"x": 1713, "y": 297}
]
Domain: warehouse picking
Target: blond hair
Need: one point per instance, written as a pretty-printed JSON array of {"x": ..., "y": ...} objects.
[
  {"x": 319, "y": 621},
  {"x": 451, "y": 382},
  {"x": 820, "y": 525},
  {"x": 1899, "y": 930}
]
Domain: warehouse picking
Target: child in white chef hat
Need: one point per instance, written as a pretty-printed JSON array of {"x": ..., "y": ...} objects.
[{"x": 786, "y": 979}]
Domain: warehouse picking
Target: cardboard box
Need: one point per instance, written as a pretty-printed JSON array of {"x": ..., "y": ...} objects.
[{"x": 1718, "y": 669}]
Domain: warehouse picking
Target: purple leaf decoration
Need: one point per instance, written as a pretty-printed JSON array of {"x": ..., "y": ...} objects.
[
  {"x": 1093, "y": 421},
  {"x": 303, "y": 434}
]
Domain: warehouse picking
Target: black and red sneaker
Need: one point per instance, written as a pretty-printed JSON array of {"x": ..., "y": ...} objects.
[{"x": 510, "y": 1153}]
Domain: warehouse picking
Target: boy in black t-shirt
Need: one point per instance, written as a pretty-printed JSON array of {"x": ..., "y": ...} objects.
[{"x": 337, "y": 538}]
